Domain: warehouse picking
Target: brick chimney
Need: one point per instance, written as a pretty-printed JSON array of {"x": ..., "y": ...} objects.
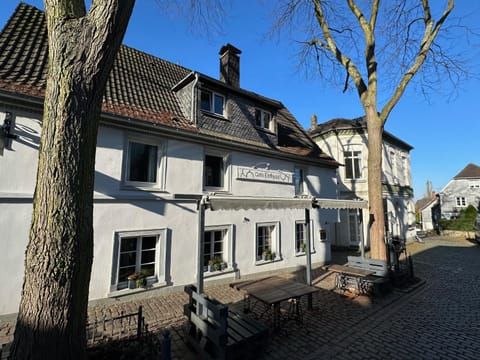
[
  {"x": 230, "y": 65},
  {"x": 313, "y": 122}
]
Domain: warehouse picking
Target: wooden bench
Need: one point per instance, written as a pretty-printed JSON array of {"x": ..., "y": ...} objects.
[
  {"x": 379, "y": 267},
  {"x": 216, "y": 332},
  {"x": 363, "y": 275}
]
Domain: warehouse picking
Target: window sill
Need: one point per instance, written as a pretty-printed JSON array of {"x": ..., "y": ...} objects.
[
  {"x": 263, "y": 262},
  {"x": 209, "y": 274},
  {"x": 142, "y": 188},
  {"x": 127, "y": 291},
  {"x": 265, "y": 130},
  {"x": 303, "y": 253},
  {"x": 216, "y": 190},
  {"x": 215, "y": 115}
]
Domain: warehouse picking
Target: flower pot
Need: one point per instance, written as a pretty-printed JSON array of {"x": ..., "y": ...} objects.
[
  {"x": 132, "y": 283},
  {"x": 141, "y": 282}
]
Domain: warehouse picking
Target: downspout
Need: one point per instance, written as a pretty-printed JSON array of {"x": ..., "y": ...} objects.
[{"x": 194, "y": 99}]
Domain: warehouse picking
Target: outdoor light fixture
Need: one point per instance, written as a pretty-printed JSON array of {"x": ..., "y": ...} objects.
[{"x": 6, "y": 131}]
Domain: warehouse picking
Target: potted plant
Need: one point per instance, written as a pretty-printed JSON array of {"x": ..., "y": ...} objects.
[
  {"x": 210, "y": 265},
  {"x": 132, "y": 280},
  {"x": 303, "y": 246},
  {"x": 141, "y": 279},
  {"x": 217, "y": 265},
  {"x": 267, "y": 255}
]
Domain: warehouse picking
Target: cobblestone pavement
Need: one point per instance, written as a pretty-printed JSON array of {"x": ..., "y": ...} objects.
[
  {"x": 437, "y": 320},
  {"x": 441, "y": 320}
]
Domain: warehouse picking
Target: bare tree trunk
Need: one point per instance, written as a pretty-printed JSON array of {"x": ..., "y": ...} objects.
[
  {"x": 375, "y": 198},
  {"x": 53, "y": 309}
]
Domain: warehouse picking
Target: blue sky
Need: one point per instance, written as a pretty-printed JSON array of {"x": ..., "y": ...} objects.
[{"x": 444, "y": 131}]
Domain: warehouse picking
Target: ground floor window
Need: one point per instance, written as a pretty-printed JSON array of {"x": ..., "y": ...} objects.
[
  {"x": 301, "y": 237},
  {"x": 354, "y": 223},
  {"x": 138, "y": 253},
  {"x": 217, "y": 248},
  {"x": 213, "y": 249},
  {"x": 267, "y": 242},
  {"x": 461, "y": 201}
]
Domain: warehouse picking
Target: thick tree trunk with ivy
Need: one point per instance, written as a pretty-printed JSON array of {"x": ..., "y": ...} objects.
[{"x": 53, "y": 309}]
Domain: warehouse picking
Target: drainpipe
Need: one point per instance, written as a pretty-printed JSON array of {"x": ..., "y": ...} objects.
[{"x": 194, "y": 99}]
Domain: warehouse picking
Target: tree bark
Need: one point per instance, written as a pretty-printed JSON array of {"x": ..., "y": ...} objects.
[
  {"x": 375, "y": 196},
  {"x": 53, "y": 308}
]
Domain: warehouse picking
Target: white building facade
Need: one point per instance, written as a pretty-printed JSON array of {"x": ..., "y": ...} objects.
[
  {"x": 347, "y": 142},
  {"x": 168, "y": 136}
]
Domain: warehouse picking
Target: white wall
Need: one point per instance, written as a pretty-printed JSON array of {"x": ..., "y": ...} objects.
[{"x": 117, "y": 209}]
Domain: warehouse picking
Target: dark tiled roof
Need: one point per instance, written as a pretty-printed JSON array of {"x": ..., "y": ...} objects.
[
  {"x": 139, "y": 87},
  {"x": 471, "y": 171},
  {"x": 359, "y": 125},
  {"x": 425, "y": 202}
]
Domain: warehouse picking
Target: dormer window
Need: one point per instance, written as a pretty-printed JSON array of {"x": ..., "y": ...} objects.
[
  {"x": 263, "y": 119},
  {"x": 212, "y": 102}
]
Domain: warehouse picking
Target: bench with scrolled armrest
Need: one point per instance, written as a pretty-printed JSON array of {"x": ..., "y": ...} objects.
[
  {"x": 215, "y": 331},
  {"x": 363, "y": 275}
]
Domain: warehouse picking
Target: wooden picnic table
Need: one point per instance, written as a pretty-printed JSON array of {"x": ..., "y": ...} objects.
[{"x": 273, "y": 290}]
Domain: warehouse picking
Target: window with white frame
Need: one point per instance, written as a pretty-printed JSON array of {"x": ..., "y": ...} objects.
[
  {"x": 354, "y": 223},
  {"x": 139, "y": 252},
  {"x": 143, "y": 162},
  {"x": 353, "y": 164},
  {"x": 267, "y": 242},
  {"x": 212, "y": 102},
  {"x": 301, "y": 237},
  {"x": 405, "y": 168},
  {"x": 394, "y": 167},
  {"x": 216, "y": 248},
  {"x": 461, "y": 201},
  {"x": 216, "y": 171},
  {"x": 299, "y": 181},
  {"x": 263, "y": 119}
]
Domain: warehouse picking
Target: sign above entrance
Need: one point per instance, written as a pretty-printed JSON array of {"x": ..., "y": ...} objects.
[{"x": 264, "y": 175}]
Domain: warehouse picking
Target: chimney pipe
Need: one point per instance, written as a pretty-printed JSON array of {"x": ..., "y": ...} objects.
[
  {"x": 230, "y": 65},
  {"x": 313, "y": 122}
]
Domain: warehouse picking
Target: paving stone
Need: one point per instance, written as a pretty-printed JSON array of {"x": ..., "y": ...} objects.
[{"x": 439, "y": 320}]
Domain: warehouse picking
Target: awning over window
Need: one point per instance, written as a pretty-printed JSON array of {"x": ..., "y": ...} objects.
[
  {"x": 340, "y": 204},
  {"x": 246, "y": 202},
  {"x": 217, "y": 202}
]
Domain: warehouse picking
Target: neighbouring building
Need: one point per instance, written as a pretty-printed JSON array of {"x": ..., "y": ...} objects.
[
  {"x": 346, "y": 141},
  {"x": 168, "y": 136},
  {"x": 460, "y": 192},
  {"x": 428, "y": 210}
]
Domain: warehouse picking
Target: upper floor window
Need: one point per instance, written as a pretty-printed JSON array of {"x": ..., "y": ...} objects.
[
  {"x": 212, "y": 102},
  {"x": 143, "y": 162},
  {"x": 216, "y": 170},
  {"x": 263, "y": 119},
  {"x": 406, "y": 172},
  {"x": 353, "y": 164},
  {"x": 461, "y": 201},
  {"x": 299, "y": 181}
]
